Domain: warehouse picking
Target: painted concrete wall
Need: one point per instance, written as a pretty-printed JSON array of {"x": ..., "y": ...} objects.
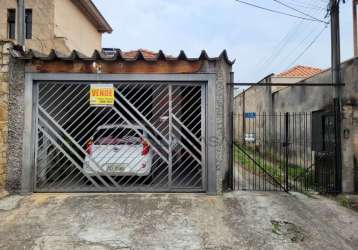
[
  {"x": 72, "y": 25},
  {"x": 254, "y": 99},
  {"x": 51, "y": 18},
  {"x": 275, "y": 79},
  {"x": 308, "y": 99}
]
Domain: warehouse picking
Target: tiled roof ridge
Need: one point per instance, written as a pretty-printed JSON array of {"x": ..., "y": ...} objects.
[
  {"x": 117, "y": 55},
  {"x": 300, "y": 71}
]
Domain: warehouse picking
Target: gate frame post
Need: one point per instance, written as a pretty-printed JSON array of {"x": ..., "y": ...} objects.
[
  {"x": 338, "y": 147},
  {"x": 27, "y": 180},
  {"x": 231, "y": 133},
  {"x": 287, "y": 143}
]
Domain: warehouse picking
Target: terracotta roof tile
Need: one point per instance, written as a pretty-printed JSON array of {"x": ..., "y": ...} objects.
[
  {"x": 114, "y": 55},
  {"x": 300, "y": 71},
  {"x": 146, "y": 53}
]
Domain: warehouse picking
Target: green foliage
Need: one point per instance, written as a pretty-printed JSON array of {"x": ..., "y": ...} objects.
[
  {"x": 258, "y": 163},
  {"x": 345, "y": 202}
]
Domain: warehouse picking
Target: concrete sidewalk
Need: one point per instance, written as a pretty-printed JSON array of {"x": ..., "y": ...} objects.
[{"x": 240, "y": 220}]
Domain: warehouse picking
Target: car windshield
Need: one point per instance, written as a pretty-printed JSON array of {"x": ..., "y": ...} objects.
[{"x": 116, "y": 136}]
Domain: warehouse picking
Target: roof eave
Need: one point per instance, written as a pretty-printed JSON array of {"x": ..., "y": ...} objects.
[
  {"x": 94, "y": 15},
  {"x": 19, "y": 53}
]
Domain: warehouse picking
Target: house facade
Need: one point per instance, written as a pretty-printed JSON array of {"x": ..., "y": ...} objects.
[
  {"x": 64, "y": 25},
  {"x": 292, "y": 75},
  {"x": 163, "y": 100}
]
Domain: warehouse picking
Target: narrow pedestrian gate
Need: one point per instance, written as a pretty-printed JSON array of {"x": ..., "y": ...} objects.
[
  {"x": 293, "y": 151},
  {"x": 121, "y": 137}
]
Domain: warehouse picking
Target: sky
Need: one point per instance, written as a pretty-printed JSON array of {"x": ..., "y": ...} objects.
[{"x": 261, "y": 42}]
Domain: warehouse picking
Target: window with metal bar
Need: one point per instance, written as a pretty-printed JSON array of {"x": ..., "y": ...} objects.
[
  {"x": 28, "y": 23},
  {"x": 11, "y": 20}
]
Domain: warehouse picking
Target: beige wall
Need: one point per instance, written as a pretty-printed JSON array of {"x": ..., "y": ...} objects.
[
  {"x": 43, "y": 32},
  {"x": 78, "y": 31},
  {"x": 57, "y": 24}
]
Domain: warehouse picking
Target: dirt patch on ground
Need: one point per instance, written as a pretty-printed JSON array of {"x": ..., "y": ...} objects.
[{"x": 287, "y": 231}]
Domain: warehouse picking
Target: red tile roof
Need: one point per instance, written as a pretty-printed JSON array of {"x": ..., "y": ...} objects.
[
  {"x": 300, "y": 71},
  {"x": 147, "y": 54}
]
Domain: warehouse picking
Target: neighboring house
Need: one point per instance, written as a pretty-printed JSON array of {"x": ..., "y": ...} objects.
[
  {"x": 146, "y": 53},
  {"x": 256, "y": 98},
  {"x": 292, "y": 75},
  {"x": 314, "y": 100},
  {"x": 64, "y": 25}
]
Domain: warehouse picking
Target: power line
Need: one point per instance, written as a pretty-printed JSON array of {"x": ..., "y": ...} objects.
[
  {"x": 309, "y": 45},
  {"x": 279, "y": 55},
  {"x": 283, "y": 53},
  {"x": 264, "y": 64},
  {"x": 275, "y": 11},
  {"x": 299, "y": 11},
  {"x": 297, "y": 49},
  {"x": 307, "y": 5}
]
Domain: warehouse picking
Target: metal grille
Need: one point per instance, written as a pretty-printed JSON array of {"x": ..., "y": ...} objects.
[
  {"x": 151, "y": 139},
  {"x": 285, "y": 152}
]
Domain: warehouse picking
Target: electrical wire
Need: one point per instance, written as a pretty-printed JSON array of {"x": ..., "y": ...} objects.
[
  {"x": 307, "y": 6},
  {"x": 294, "y": 33},
  {"x": 300, "y": 47},
  {"x": 309, "y": 46},
  {"x": 275, "y": 11},
  {"x": 299, "y": 11}
]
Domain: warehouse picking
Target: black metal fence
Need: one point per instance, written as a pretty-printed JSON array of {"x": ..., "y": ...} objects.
[{"x": 285, "y": 152}]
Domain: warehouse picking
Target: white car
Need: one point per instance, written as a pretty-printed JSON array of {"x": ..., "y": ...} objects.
[{"x": 117, "y": 150}]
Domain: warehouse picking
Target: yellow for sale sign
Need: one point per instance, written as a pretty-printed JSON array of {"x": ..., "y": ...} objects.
[{"x": 102, "y": 95}]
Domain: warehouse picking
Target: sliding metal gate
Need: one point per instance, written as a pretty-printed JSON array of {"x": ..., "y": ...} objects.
[{"x": 152, "y": 139}]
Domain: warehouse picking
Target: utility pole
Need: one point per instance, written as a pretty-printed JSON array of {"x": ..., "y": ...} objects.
[
  {"x": 21, "y": 22},
  {"x": 337, "y": 93},
  {"x": 335, "y": 43},
  {"x": 355, "y": 34}
]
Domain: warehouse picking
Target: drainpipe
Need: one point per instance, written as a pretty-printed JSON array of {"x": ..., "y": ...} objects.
[
  {"x": 243, "y": 116},
  {"x": 355, "y": 33},
  {"x": 21, "y": 22}
]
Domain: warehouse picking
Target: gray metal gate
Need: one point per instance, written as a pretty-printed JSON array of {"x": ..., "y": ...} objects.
[
  {"x": 151, "y": 139},
  {"x": 286, "y": 152}
]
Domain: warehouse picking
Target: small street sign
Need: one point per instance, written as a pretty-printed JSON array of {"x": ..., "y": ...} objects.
[{"x": 250, "y": 115}]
